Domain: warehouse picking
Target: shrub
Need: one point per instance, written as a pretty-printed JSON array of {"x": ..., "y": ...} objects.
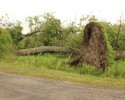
[
  {"x": 5, "y": 42},
  {"x": 116, "y": 70},
  {"x": 75, "y": 40}
]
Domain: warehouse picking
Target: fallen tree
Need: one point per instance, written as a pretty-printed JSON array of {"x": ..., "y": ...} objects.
[
  {"x": 52, "y": 49},
  {"x": 46, "y": 49}
]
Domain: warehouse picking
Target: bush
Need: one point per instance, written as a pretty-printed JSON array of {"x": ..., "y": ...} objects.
[
  {"x": 116, "y": 70},
  {"x": 16, "y": 34},
  {"x": 75, "y": 40},
  {"x": 5, "y": 43}
]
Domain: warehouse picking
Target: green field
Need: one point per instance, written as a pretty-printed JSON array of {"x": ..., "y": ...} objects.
[{"x": 55, "y": 66}]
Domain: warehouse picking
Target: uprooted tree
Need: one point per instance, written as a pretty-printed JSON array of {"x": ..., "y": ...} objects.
[{"x": 94, "y": 50}]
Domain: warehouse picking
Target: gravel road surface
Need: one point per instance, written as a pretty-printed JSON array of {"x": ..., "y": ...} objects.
[{"x": 17, "y": 87}]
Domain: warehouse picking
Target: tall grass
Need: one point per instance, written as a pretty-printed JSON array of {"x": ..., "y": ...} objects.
[
  {"x": 60, "y": 63},
  {"x": 56, "y": 67},
  {"x": 116, "y": 70}
]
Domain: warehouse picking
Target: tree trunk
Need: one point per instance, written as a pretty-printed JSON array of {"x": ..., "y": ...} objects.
[
  {"x": 120, "y": 55},
  {"x": 46, "y": 49}
]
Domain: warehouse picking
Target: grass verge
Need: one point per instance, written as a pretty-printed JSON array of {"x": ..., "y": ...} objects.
[{"x": 55, "y": 67}]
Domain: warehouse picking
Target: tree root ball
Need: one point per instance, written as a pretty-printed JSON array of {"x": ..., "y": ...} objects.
[{"x": 94, "y": 50}]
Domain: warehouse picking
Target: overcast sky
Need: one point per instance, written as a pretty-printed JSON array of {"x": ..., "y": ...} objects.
[{"x": 109, "y": 10}]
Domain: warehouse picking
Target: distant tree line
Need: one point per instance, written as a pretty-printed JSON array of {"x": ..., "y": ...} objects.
[{"x": 47, "y": 30}]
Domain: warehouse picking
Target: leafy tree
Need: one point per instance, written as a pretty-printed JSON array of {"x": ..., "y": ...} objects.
[
  {"x": 14, "y": 29},
  {"x": 47, "y": 29},
  {"x": 112, "y": 32},
  {"x": 16, "y": 33},
  {"x": 35, "y": 23},
  {"x": 73, "y": 35},
  {"x": 51, "y": 29}
]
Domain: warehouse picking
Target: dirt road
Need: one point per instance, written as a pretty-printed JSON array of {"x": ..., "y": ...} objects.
[{"x": 17, "y": 87}]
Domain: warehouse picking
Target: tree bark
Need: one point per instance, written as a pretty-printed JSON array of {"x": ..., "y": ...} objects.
[
  {"x": 119, "y": 55},
  {"x": 46, "y": 49}
]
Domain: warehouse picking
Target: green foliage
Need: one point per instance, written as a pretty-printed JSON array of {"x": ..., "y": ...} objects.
[
  {"x": 75, "y": 40},
  {"x": 30, "y": 42},
  {"x": 121, "y": 42},
  {"x": 5, "y": 43},
  {"x": 53, "y": 67},
  {"x": 59, "y": 63},
  {"x": 34, "y": 23},
  {"x": 112, "y": 32},
  {"x": 16, "y": 33},
  {"x": 51, "y": 33},
  {"x": 116, "y": 70},
  {"x": 110, "y": 51},
  {"x": 119, "y": 36},
  {"x": 88, "y": 69},
  {"x": 14, "y": 29},
  {"x": 73, "y": 35},
  {"x": 48, "y": 27}
]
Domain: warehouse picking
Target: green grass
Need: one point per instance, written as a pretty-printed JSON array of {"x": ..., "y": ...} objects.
[
  {"x": 56, "y": 67},
  {"x": 117, "y": 70}
]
